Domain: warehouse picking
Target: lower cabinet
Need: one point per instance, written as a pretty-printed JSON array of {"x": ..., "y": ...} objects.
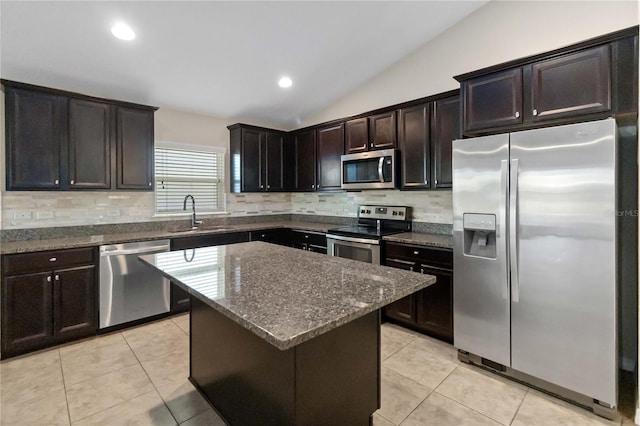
[
  {"x": 281, "y": 236},
  {"x": 47, "y": 298},
  {"x": 310, "y": 241},
  {"x": 429, "y": 310},
  {"x": 179, "y": 297}
]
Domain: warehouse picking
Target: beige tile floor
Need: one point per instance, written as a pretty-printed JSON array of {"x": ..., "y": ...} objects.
[{"x": 139, "y": 377}]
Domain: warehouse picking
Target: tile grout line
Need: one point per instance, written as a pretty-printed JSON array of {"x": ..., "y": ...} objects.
[
  {"x": 64, "y": 385},
  {"x": 469, "y": 408},
  {"x": 151, "y": 381},
  {"x": 519, "y": 406}
]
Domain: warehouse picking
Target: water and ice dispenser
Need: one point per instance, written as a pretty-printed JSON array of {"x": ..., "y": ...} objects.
[{"x": 479, "y": 235}]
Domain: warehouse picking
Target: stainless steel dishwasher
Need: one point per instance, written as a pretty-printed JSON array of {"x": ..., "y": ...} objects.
[{"x": 129, "y": 290}]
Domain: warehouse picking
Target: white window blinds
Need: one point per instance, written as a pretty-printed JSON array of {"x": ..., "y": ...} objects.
[{"x": 183, "y": 170}]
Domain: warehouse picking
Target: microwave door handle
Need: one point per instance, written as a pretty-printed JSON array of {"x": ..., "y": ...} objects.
[{"x": 381, "y": 169}]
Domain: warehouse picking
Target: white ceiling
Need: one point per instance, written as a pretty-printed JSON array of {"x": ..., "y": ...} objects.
[{"x": 217, "y": 58}]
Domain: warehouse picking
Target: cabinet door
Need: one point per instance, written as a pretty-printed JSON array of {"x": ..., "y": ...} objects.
[
  {"x": 251, "y": 156},
  {"x": 493, "y": 101},
  {"x": 89, "y": 144},
  {"x": 382, "y": 131},
  {"x": 435, "y": 305},
  {"x": 305, "y": 158},
  {"x": 274, "y": 143},
  {"x": 134, "y": 130},
  {"x": 27, "y": 312},
  {"x": 35, "y": 126},
  {"x": 74, "y": 295},
  {"x": 575, "y": 84},
  {"x": 356, "y": 135},
  {"x": 180, "y": 301},
  {"x": 413, "y": 141},
  {"x": 329, "y": 149},
  {"x": 403, "y": 310},
  {"x": 276, "y": 236},
  {"x": 445, "y": 127}
]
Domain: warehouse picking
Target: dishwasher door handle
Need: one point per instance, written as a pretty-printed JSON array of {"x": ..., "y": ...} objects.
[{"x": 146, "y": 250}]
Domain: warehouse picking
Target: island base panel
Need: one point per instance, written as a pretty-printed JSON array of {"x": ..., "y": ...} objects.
[{"x": 333, "y": 378}]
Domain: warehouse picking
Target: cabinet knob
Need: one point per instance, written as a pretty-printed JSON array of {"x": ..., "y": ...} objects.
[
  {"x": 262, "y": 236},
  {"x": 57, "y": 277},
  {"x": 416, "y": 252},
  {"x": 268, "y": 186},
  {"x": 371, "y": 145},
  {"x": 150, "y": 184},
  {"x": 57, "y": 181},
  {"x": 53, "y": 259},
  {"x": 535, "y": 112},
  {"x": 517, "y": 114},
  {"x": 72, "y": 182},
  {"x": 411, "y": 268},
  {"x": 422, "y": 270},
  {"x": 261, "y": 186},
  {"x": 49, "y": 279},
  {"x": 306, "y": 236},
  {"x": 435, "y": 181},
  {"x": 313, "y": 186}
]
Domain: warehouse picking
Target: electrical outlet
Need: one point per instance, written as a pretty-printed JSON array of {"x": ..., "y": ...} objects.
[
  {"x": 22, "y": 215},
  {"x": 48, "y": 214}
]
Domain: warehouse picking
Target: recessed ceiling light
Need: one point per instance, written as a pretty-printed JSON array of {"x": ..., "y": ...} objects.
[
  {"x": 285, "y": 82},
  {"x": 123, "y": 31}
]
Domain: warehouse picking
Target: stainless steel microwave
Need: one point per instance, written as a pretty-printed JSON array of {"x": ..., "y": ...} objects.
[{"x": 369, "y": 170}]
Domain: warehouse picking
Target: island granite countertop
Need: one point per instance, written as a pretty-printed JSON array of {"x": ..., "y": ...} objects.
[{"x": 284, "y": 295}]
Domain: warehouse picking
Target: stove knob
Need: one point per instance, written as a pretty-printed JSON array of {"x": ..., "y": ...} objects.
[
  {"x": 368, "y": 211},
  {"x": 362, "y": 211},
  {"x": 401, "y": 213},
  {"x": 395, "y": 213}
]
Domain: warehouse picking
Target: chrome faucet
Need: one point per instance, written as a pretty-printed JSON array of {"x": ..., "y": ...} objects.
[{"x": 194, "y": 222}]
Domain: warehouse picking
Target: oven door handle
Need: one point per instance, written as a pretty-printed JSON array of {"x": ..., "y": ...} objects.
[{"x": 353, "y": 239}]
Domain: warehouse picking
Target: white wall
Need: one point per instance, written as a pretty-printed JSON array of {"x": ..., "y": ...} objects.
[{"x": 498, "y": 32}]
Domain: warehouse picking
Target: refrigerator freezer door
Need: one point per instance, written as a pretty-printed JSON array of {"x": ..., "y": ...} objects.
[
  {"x": 563, "y": 322},
  {"x": 480, "y": 289}
]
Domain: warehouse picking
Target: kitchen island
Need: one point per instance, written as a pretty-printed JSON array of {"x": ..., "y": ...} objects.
[{"x": 283, "y": 336}]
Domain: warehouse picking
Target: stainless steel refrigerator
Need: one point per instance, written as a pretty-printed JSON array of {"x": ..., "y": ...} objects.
[{"x": 534, "y": 226}]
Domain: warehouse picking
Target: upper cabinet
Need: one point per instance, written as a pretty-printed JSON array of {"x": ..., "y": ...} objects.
[
  {"x": 425, "y": 133},
  {"x": 554, "y": 90},
  {"x": 58, "y": 140},
  {"x": 257, "y": 159},
  {"x": 330, "y": 146},
  {"x": 370, "y": 133},
  {"x": 304, "y": 146}
]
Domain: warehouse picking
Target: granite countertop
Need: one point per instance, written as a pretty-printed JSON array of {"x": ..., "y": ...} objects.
[
  {"x": 284, "y": 295},
  {"x": 430, "y": 240},
  {"x": 97, "y": 240}
]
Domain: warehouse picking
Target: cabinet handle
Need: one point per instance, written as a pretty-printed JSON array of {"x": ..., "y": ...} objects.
[
  {"x": 422, "y": 270},
  {"x": 49, "y": 279},
  {"x": 313, "y": 186},
  {"x": 416, "y": 252},
  {"x": 411, "y": 268},
  {"x": 371, "y": 145},
  {"x": 57, "y": 277},
  {"x": 56, "y": 181},
  {"x": 435, "y": 181},
  {"x": 517, "y": 114},
  {"x": 535, "y": 111},
  {"x": 53, "y": 259},
  {"x": 268, "y": 186},
  {"x": 72, "y": 182},
  {"x": 150, "y": 184}
]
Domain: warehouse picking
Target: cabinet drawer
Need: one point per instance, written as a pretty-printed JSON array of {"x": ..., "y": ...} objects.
[
  {"x": 312, "y": 238},
  {"x": 424, "y": 255},
  {"x": 24, "y": 263},
  {"x": 209, "y": 240}
]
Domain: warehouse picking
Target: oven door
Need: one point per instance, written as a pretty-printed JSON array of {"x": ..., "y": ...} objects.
[{"x": 362, "y": 249}]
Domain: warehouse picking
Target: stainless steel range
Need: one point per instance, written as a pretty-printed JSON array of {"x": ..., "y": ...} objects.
[{"x": 362, "y": 241}]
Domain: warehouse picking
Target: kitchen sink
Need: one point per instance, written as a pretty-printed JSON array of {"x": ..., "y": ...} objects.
[{"x": 199, "y": 229}]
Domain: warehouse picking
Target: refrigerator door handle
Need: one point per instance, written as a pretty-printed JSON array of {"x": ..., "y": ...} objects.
[
  {"x": 513, "y": 227},
  {"x": 504, "y": 191}
]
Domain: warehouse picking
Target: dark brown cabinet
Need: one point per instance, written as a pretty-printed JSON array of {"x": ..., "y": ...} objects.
[
  {"x": 555, "y": 90},
  {"x": 281, "y": 236},
  {"x": 425, "y": 135},
  {"x": 371, "y": 133},
  {"x": 430, "y": 310},
  {"x": 309, "y": 241},
  {"x": 329, "y": 148},
  {"x": 58, "y": 140},
  {"x": 304, "y": 145},
  {"x": 34, "y": 138},
  {"x": 89, "y": 144},
  {"x": 415, "y": 147},
  {"x": 261, "y": 155},
  {"x": 48, "y": 297},
  {"x": 445, "y": 128},
  {"x": 134, "y": 138}
]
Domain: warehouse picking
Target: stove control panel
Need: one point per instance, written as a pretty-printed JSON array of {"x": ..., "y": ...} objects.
[{"x": 383, "y": 212}]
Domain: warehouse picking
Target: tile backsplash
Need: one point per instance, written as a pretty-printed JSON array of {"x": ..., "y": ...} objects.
[{"x": 38, "y": 209}]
